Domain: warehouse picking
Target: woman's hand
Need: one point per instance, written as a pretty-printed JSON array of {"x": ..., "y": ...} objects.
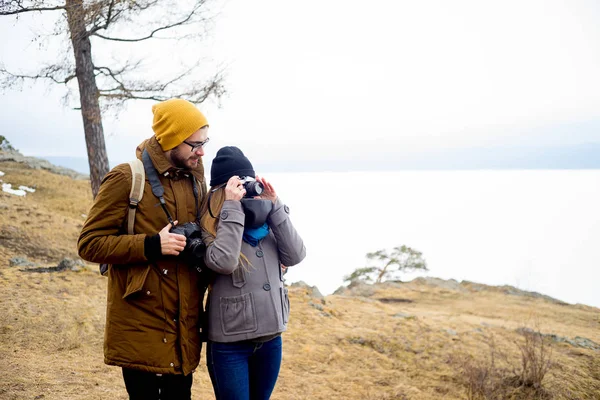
[
  {"x": 234, "y": 190},
  {"x": 269, "y": 192}
]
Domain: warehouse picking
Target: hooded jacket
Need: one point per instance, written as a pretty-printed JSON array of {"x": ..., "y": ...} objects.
[{"x": 153, "y": 307}]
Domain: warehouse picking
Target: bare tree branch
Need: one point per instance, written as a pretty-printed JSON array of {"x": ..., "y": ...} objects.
[
  {"x": 16, "y": 7},
  {"x": 187, "y": 19},
  {"x": 50, "y": 72},
  {"x": 107, "y": 21},
  {"x": 160, "y": 91}
]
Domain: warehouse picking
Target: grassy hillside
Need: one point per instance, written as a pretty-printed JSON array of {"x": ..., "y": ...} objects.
[{"x": 427, "y": 339}]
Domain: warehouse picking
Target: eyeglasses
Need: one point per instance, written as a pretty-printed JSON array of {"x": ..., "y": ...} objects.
[{"x": 197, "y": 146}]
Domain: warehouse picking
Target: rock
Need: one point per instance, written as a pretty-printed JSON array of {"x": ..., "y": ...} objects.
[
  {"x": 392, "y": 284},
  {"x": 312, "y": 291},
  {"x": 356, "y": 288},
  {"x": 509, "y": 290},
  {"x": 403, "y": 315},
  {"x": 585, "y": 343},
  {"x": 340, "y": 290},
  {"x": 68, "y": 264},
  {"x": 450, "y": 332},
  {"x": 578, "y": 341},
  {"x": 525, "y": 330},
  {"x": 449, "y": 284},
  {"x": 21, "y": 262},
  {"x": 357, "y": 340},
  {"x": 317, "y": 306}
]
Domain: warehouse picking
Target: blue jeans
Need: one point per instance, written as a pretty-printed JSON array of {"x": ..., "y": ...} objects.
[{"x": 244, "y": 370}]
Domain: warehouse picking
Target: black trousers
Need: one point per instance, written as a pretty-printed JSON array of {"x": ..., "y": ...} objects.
[{"x": 143, "y": 385}]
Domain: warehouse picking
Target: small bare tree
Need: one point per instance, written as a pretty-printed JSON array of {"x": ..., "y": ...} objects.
[
  {"x": 86, "y": 21},
  {"x": 389, "y": 265}
]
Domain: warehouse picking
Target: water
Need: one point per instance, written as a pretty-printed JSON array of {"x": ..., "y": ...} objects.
[{"x": 535, "y": 229}]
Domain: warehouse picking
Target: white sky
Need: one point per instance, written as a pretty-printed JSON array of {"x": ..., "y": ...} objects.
[{"x": 315, "y": 78}]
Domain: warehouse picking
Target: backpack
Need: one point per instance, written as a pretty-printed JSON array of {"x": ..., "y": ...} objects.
[{"x": 138, "y": 178}]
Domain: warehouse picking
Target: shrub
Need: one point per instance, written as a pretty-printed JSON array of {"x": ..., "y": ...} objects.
[
  {"x": 496, "y": 377},
  {"x": 389, "y": 265}
]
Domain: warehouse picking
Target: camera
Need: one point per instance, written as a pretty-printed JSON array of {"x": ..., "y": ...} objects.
[
  {"x": 252, "y": 186},
  {"x": 194, "y": 246}
]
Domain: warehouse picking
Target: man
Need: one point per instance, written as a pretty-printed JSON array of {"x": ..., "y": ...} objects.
[{"x": 154, "y": 302}]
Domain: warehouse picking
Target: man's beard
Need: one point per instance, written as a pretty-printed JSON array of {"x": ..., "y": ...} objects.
[{"x": 179, "y": 160}]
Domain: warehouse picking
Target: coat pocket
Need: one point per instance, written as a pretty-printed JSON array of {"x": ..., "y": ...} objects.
[
  {"x": 136, "y": 277},
  {"x": 285, "y": 304},
  {"x": 238, "y": 314}
]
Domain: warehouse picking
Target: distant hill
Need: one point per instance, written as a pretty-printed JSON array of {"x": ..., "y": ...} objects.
[
  {"x": 79, "y": 164},
  {"x": 419, "y": 340},
  {"x": 386, "y": 156}
]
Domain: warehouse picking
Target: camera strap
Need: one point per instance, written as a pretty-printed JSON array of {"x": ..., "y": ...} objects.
[
  {"x": 210, "y": 198},
  {"x": 159, "y": 191}
]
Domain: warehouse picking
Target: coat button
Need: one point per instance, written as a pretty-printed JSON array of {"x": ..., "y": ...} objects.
[
  {"x": 259, "y": 253},
  {"x": 286, "y": 209},
  {"x": 172, "y": 365},
  {"x": 165, "y": 340},
  {"x": 224, "y": 214},
  {"x": 148, "y": 293},
  {"x": 267, "y": 287}
]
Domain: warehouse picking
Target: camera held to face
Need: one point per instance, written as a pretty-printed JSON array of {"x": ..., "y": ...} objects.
[
  {"x": 194, "y": 246},
  {"x": 252, "y": 186}
]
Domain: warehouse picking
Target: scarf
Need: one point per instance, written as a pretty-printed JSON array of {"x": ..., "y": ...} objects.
[{"x": 253, "y": 236}]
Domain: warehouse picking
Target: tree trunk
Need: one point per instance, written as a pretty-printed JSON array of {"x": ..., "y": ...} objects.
[
  {"x": 88, "y": 94},
  {"x": 382, "y": 272}
]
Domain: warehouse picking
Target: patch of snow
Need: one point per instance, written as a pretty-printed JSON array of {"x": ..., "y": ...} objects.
[
  {"x": 27, "y": 189},
  {"x": 7, "y": 187},
  {"x": 1, "y": 173}
]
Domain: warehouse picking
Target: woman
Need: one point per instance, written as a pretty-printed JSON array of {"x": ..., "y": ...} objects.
[{"x": 248, "y": 239}]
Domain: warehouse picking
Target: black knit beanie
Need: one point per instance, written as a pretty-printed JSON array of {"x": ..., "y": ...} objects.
[{"x": 229, "y": 161}]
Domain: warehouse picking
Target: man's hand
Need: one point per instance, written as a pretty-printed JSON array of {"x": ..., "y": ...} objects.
[{"x": 171, "y": 244}]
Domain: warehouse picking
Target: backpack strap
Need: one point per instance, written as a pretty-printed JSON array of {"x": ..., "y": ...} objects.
[{"x": 138, "y": 177}]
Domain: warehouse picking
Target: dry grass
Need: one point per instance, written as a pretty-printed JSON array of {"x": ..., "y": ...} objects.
[
  {"x": 43, "y": 225},
  {"x": 51, "y": 325}
]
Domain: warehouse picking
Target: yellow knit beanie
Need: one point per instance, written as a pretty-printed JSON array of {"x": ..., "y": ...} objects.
[{"x": 174, "y": 121}]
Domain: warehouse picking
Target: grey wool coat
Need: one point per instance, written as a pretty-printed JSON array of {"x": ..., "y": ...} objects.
[{"x": 248, "y": 302}]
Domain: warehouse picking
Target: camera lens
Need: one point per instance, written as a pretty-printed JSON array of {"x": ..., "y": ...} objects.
[
  {"x": 253, "y": 188},
  {"x": 196, "y": 248}
]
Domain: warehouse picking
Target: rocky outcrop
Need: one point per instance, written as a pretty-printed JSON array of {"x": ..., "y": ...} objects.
[
  {"x": 364, "y": 289},
  {"x": 66, "y": 264},
  {"x": 7, "y": 153},
  {"x": 578, "y": 341},
  {"x": 312, "y": 291}
]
